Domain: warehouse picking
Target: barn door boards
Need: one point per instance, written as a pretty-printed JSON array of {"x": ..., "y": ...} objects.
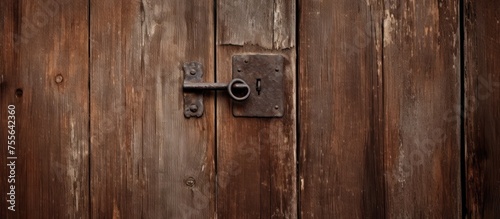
[
  {"x": 148, "y": 161},
  {"x": 256, "y": 172},
  {"x": 256, "y": 88}
]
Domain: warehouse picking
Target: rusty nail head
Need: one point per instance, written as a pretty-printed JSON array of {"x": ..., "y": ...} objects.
[
  {"x": 193, "y": 71},
  {"x": 193, "y": 108},
  {"x": 59, "y": 78},
  {"x": 276, "y": 107},
  {"x": 190, "y": 182}
]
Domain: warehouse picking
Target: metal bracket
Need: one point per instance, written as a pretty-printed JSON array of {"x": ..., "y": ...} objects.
[
  {"x": 256, "y": 90},
  {"x": 193, "y": 101}
]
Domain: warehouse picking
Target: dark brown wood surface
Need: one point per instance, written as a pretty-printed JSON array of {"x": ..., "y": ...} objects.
[
  {"x": 379, "y": 81},
  {"x": 256, "y": 161},
  {"x": 482, "y": 112},
  {"x": 44, "y": 74},
  {"x": 421, "y": 87},
  {"x": 373, "y": 111},
  {"x": 341, "y": 134},
  {"x": 144, "y": 151}
]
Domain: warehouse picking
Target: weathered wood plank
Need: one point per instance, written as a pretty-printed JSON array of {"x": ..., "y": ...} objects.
[
  {"x": 341, "y": 110},
  {"x": 256, "y": 161},
  {"x": 391, "y": 69},
  {"x": 421, "y": 62},
  {"x": 267, "y": 24},
  {"x": 143, "y": 149},
  {"x": 44, "y": 74},
  {"x": 482, "y": 108}
]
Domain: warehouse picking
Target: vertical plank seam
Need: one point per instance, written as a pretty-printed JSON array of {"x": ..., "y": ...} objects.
[
  {"x": 215, "y": 121},
  {"x": 89, "y": 69},
  {"x": 297, "y": 107},
  {"x": 382, "y": 111},
  {"x": 140, "y": 174},
  {"x": 463, "y": 177}
]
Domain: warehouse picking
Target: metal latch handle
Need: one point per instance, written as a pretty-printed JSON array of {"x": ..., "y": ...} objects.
[
  {"x": 233, "y": 87},
  {"x": 257, "y": 89},
  {"x": 193, "y": 85}
]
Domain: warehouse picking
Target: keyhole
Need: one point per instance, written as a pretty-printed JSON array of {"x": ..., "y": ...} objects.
[{"x": 258, "y": 86}]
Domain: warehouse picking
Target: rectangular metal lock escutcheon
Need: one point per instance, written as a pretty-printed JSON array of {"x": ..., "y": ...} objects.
[
  {"x": 256, "y": 88},
  {"x": 264, "y": 75}
]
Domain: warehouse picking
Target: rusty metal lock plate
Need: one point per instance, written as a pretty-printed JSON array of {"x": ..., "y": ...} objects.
[{"x": 264, "y": 75}]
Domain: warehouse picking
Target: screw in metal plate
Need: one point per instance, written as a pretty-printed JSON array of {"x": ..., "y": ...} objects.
[
  {"x": 276, "y": 107},
  {"x": 193, "y": 108},
  {"x": 192, "y": 72},
  {"x": 190, "y": 182}
]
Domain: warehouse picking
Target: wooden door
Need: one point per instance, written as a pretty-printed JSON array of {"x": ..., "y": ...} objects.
[
  {"x": 385, "y": 141},
  {"x": 390, "y": 109},
  {"x": 256, "y": 156},
  {"x": 147, "y": 159},
  {"x": 143, "y": 150}
]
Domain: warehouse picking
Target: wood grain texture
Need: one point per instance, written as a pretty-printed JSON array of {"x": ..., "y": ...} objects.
[
  {"x": 256, "y": 161},
  {"x": 379, "y": 82},
  {"x": 267, "y": 24},
  {"x": 143, "y": 149},
  {"x": 44, "y": 66},
  {"x": 482, "y": 124},
  {"x": 421, "y": 62},
  {"x": 340, "y": 110}
]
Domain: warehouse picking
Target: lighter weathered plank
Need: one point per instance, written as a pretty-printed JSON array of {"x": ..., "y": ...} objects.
[
  {"x": 421, "y": 62},
  {"x": 268, "y": 24},
  {"x": 377, "y": 79},
  {"x": 143, "y": 149},
  {"x": 44, "y": 67},
  {"x": 256, "y": 161}
]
